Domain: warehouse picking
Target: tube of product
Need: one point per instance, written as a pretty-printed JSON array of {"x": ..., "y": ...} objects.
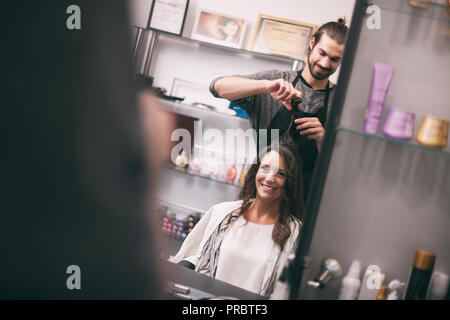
[{"x": 381, "y": 80}]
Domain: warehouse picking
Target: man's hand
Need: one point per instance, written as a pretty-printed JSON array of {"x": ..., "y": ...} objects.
[
  {"x": 282, "y": 91},
  {"x": 312, "y": 128}
]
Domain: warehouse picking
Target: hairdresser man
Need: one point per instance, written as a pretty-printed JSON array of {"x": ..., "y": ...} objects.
[{"x": 267, "y": 96}]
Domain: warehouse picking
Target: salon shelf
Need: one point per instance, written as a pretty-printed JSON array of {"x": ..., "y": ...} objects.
[
  {"x": 196, "y": 112},
  {"x": 251, "y": 54},
  {"x": 384, "y": 138},
  {"x": 435, "y": 10},
  {"x": 184, "y": 171},
  {"x": 170, "y": 244},
  {"x": 183, "y": 207}
]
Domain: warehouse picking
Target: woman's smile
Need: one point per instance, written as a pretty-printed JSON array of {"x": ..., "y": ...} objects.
[{"x": 268, "y": 188}]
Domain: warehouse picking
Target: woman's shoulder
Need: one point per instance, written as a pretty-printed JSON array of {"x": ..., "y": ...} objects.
[
  {"x": 224, "y": 208},
  {"x": 227, "y": 205}
]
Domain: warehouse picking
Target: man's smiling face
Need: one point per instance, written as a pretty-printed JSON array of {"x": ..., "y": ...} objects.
[{"x": 325, "y": 57}]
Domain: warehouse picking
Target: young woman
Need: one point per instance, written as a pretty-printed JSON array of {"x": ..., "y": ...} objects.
[{"x": 246, "y": 242}]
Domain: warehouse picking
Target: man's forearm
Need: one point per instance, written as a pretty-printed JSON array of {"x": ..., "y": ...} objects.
[{"x": 233, "y": 88}]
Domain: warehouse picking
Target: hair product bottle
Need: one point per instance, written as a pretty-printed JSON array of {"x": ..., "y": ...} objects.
[
  {"x": 382, "y": 294},
  {"x": 372, "y": 281},
  {"x": 433, "y": 132},
  {"x": 396, "y": 286},
  {"x": 351, "y": 282},
  {"x": 438, "y": 286},
  {"x": 420, "y": 275},
  {"x": 381, "y": 80}
]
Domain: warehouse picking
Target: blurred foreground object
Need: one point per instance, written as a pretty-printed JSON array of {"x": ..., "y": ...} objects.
[{"x": 75, "y": 177}]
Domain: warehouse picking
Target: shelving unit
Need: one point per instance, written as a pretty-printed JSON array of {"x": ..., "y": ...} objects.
[
  {"x": 179, "y": 206},
  {"x": 145, "y": 54},
  {"x": 171, "y": 245},
  {"x": 195, "y": 191},
  {"x": 192, "y": 111},
  {"x": 396, "y": 141},
  {"x": 434, "y": 11},
  {"x": 211, "y": 120},
  {"x": 377, "y": 199},
  {"x": 185, "y": 171},
  {"x": 247, "y": 53}
]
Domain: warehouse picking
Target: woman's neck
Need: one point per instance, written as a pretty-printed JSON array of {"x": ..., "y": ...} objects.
[{"x": 263, "y": 212}]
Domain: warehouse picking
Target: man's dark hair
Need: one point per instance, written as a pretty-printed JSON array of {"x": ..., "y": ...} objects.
[{"x": 336, "y": 30}]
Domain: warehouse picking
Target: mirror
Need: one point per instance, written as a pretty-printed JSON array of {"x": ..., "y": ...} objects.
[{"x": 219, "y": 209}]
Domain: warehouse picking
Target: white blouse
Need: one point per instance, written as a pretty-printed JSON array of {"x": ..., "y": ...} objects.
[{"x": 244, "y": 254}]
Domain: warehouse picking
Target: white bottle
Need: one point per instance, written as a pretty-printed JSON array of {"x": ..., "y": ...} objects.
[
  {"x": 395, "y": 286},
  {"x": 372, "y": 281},
  {"x": 351, "y": 282},
  {"x": 438, "y": 286}
]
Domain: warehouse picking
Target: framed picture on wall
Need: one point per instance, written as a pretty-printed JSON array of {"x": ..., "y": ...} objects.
[
  {"x": 168, "y": 16},
  {"x": 282, "y": 37},
  {"x": 219, "y": 29}
]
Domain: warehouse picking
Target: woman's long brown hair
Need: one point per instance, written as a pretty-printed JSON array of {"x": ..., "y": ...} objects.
[{"x": 291, "y": 198}]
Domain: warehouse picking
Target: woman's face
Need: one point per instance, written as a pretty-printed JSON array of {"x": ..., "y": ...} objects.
[{"x": 271, "y": 176}]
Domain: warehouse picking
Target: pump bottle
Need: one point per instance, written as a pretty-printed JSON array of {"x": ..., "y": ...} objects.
[{"x": 351, "y": 282}]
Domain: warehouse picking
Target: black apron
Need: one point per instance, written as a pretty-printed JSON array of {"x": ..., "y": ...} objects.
[{"x": 305, "y": 149}]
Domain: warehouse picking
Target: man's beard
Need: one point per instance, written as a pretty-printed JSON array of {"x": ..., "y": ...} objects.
[{"x": 316, "y": 75}]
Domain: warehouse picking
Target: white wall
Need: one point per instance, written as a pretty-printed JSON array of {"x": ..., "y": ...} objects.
[
  {"x": 311, "y": 11},
  {"x": 200, "y": 64}
]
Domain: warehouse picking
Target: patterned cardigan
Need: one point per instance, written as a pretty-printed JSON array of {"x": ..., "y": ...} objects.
[{"x": 202, "y": 246}]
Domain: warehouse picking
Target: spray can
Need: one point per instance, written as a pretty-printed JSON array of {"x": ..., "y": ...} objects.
[{"x": 421, "y": 271}]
